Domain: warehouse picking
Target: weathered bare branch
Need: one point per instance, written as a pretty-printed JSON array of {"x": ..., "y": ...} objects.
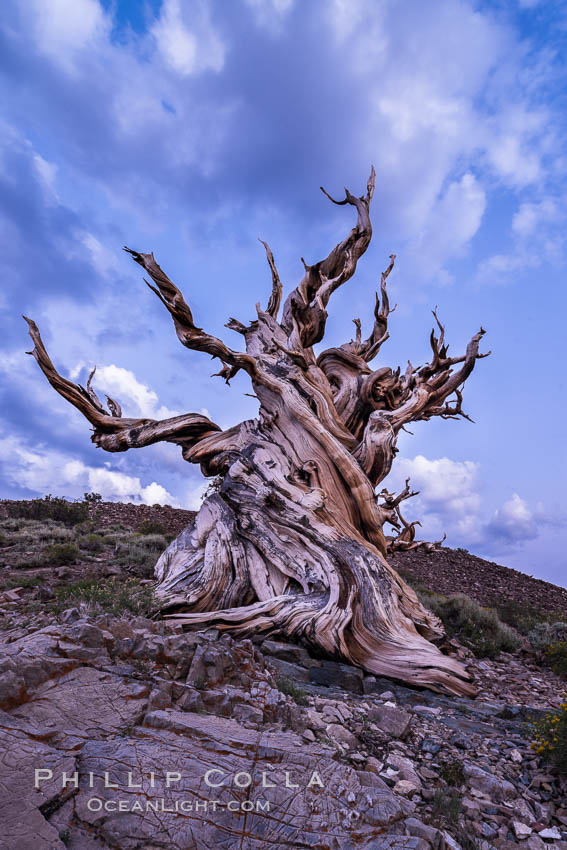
[
  {"x": 273, "y": 307},
  {"x": 304, "y": 313},
  {"x": 370, "y": 347},
  {"x": 187, "y": 332},
  {"x": 112, "y": 432},
  {"x": 392, "y": 501}
]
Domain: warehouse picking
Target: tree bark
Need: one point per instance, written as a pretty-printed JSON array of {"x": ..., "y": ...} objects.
[{"x": 292, "y": 544}]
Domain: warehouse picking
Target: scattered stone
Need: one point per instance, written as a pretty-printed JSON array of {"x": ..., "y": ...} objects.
[
  {"x": 550, "y": 832},
  {"x": 373, "y": 765},
  {"x": 433, "y": 836},
  {"x": 69, "y": 615},
  {"x": 534, "y": 842},
  {"x": 426, "y": 709},
  {"x": 521, "y": 830},
  {"x": 395, "y": 722},
  {"x": 492, "y": 786},
  {"x": 428, "y": 745},
  {"x": 341, "y": 735},
  {"x": 245, "y": 713},
  {"x": 406, "y": 788},
  {"x": 523, "y": 812}
]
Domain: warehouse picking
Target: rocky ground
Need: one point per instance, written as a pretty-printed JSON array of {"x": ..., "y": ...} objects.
[{"x": 301, "y": 752}]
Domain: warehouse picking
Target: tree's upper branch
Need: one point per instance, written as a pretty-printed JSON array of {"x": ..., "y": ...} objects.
[
  {"x": 304, "y": 313},
  {"x": 112, "y": 432},
  {"x": 273, "y": 307},
  {"x": 392, "y": 501},
  {"x": 369, "y": 348},
  {"x": 424, "y": 391},
  {"x": 187, "y": 332}
]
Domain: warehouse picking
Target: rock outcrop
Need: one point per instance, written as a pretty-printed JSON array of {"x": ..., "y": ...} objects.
[{"x": 139, "y": 736}]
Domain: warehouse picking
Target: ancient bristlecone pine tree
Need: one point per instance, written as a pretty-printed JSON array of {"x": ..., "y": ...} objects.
[{"x": 292, "y": 542}]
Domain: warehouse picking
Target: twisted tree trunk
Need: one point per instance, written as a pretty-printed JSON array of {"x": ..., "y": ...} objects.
[{"x": 292, "y": 543}]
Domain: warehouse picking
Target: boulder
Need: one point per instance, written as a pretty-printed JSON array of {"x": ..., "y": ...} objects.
[
  {"x": 289, "y": 670},
  {"x": 492, "y": 786},
  {"x": 287, "y": 652},
  {"x": 395, "y": 722},
  {"x": 341, "y": 735},
  {"x": 335, "y": 674}
]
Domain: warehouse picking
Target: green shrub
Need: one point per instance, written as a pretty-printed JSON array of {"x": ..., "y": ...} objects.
[
  {"x": 446, "y": 806},
  {"x": 92, "y": 543},
  {"x": 114, "y": 538},
  {"x": 10, "y": 525},
  {"x": 545, "y": 634},
  {"x": 92, "y": 498},
  {"x": 151, "y": 526},
  {"x": 52, "y": 532},
  {"x": 556, "y": 657},
  {"x": 474, "y": 626},
  {"x": 117, "y": 528},
  {"x": 88, "y": 526},
  {"x": 412, "y": 580},
  {"x": 288, "y": 687},
  {"x": 134, "y": 556},
  {"x": 126, "y": 553},
  {"x": 108, "y": 597},
  {"x": 550, "y": 735},
  {"x": 523, "y": 618},
  {"x": 452, "y": 772},
  {"x": 61, "y": 553},
  {"x": 50, "y": 507},
  {"x": 152, "y": 542},
  {"x": 24, "y": 581}
]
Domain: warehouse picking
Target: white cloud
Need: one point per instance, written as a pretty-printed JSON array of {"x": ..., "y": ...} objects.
[
  {"x": 46, "y": 172},
  {"x": 194, "y": 496},
  {"x": 514, "y": 160},
  {"x": 135, "y": 398},
  {"x": 63, "y": 28},
  {"x": 270, "y": 13},
  {"x": 537, "y": 239},
  {"x": 450, "y": 502},
  {"x": 513, "y": 522},
  {"x": 442, "y": 482},
  {"x": 451, "y": 223},
  {"x": 425, "y": 108},
  {"x": 438, "y": 104},
  {"x": 102, "y": 258},
  {"x": 188, "y": 48},
  {"x": 44, "y": 470},
  {"x": 530, "y": 217},
  {"x": 280, "y": 7}
]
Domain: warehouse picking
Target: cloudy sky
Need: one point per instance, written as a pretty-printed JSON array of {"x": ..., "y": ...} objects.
[{"x": 193, "y": 127}]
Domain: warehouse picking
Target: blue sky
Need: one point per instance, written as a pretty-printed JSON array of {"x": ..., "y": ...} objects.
[{"x": 193, "y": 127}]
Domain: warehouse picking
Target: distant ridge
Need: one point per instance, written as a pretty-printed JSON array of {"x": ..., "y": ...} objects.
[{"x": 445, "y": 571}]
